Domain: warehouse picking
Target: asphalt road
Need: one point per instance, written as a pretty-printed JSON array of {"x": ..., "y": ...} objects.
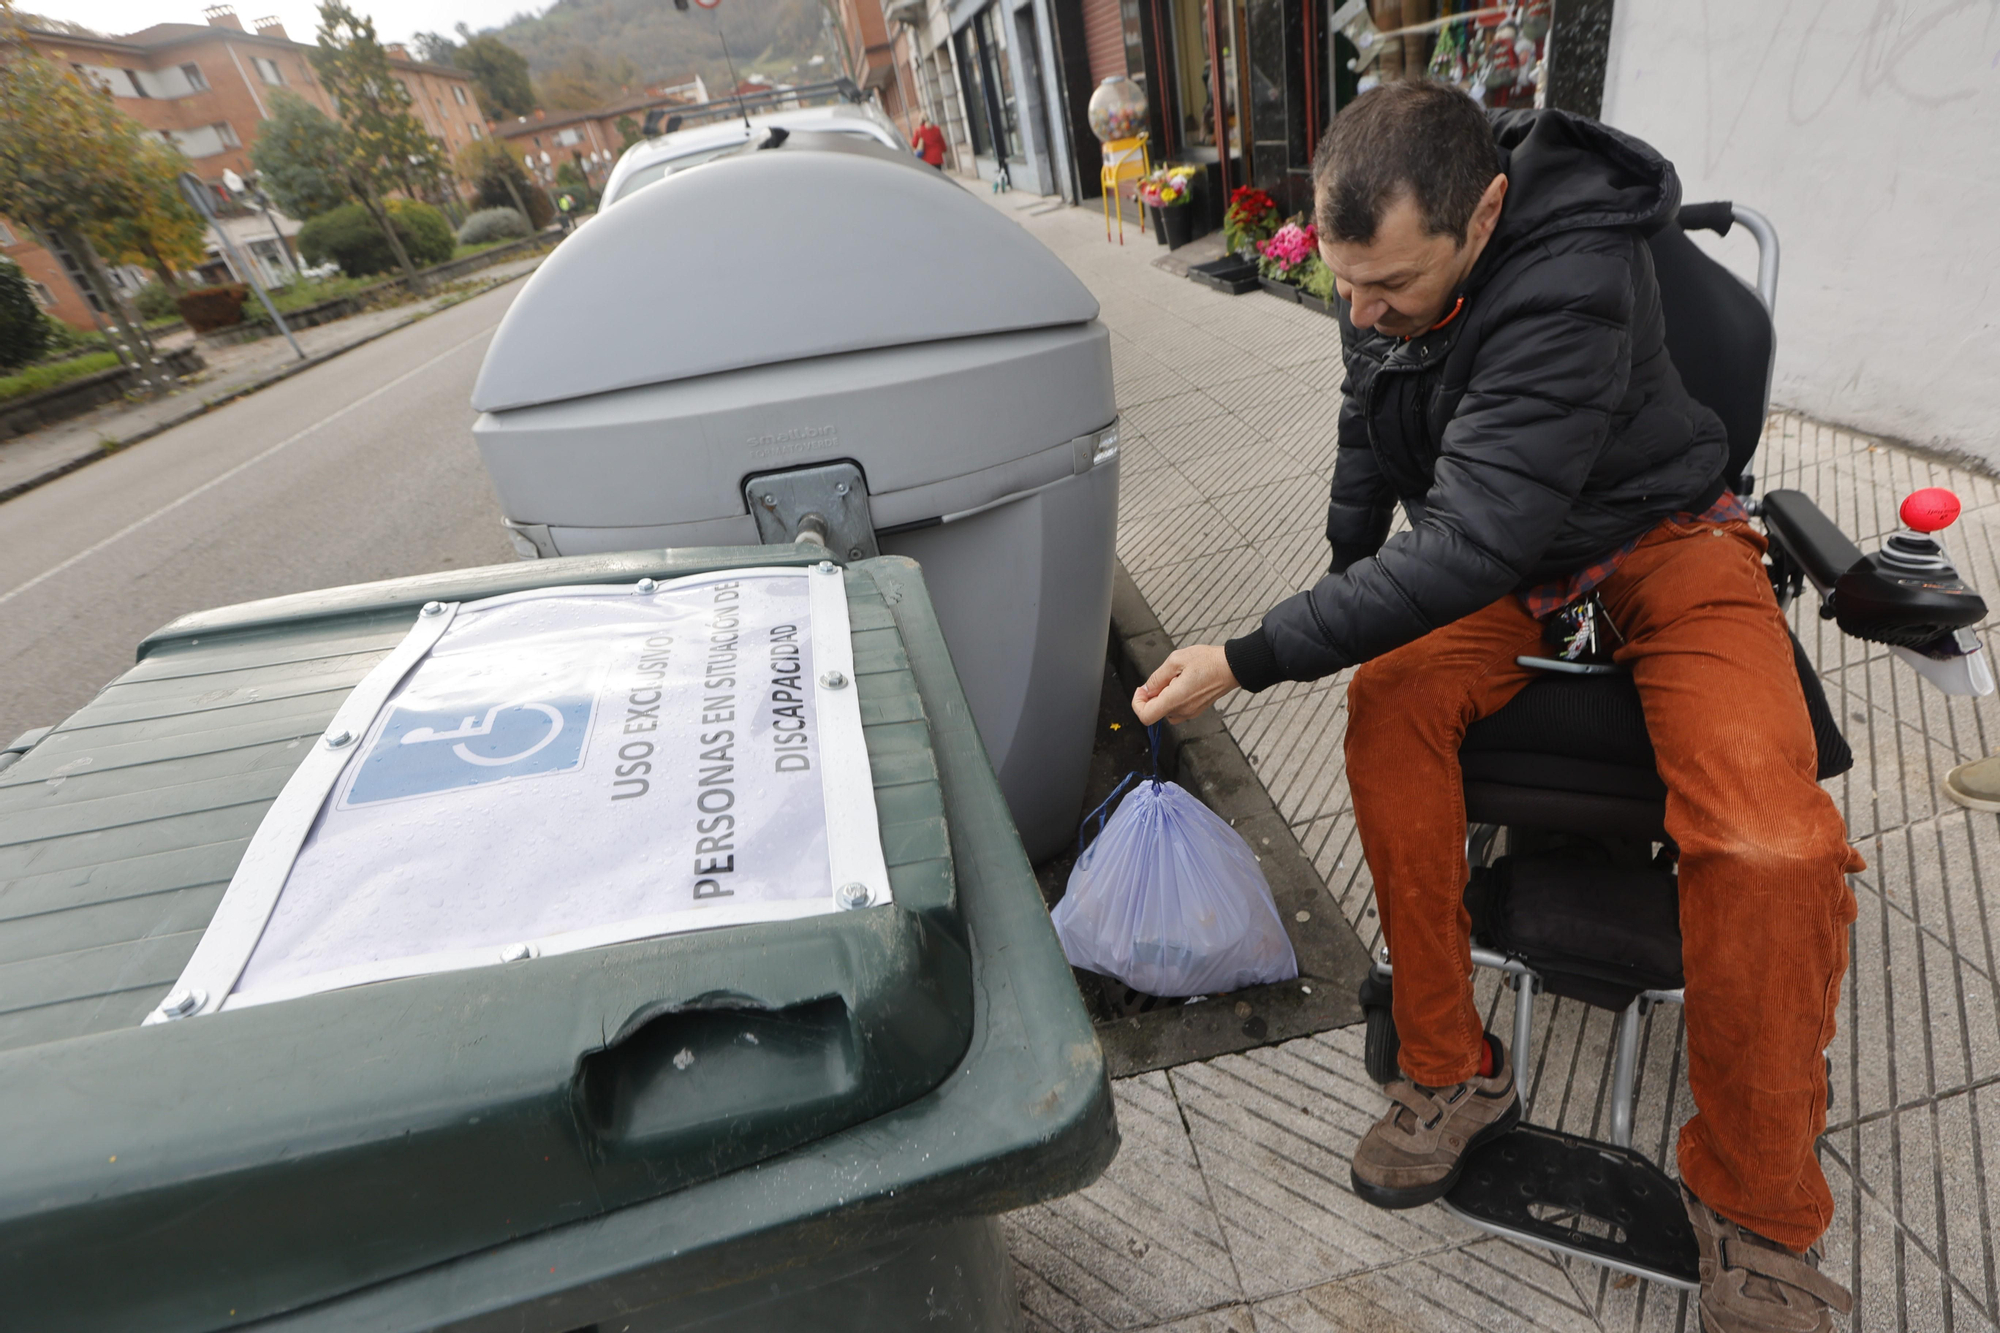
[{"x": 363, "y": 468}]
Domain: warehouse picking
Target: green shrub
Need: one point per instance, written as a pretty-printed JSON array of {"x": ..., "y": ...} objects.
[
  {"x": 154, "y": 302},
  {"x": 37, "y": 378},
  {"x": 349, "y": 237},
  {"x": 492, "y": 224},
  {"x": 67, "y": 341},
  {"x": 493, "y": 193},
  {"x": 208, "y": 308},
  {"x": 24, "y": 329},
  {"x": 425, "y": 231}
]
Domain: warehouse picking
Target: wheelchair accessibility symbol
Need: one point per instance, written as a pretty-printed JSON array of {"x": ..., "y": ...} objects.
[{"x": 420, "y": 752}]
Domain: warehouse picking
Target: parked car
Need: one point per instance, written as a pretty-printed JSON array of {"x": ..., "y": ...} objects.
[{"x": 653, "y": 159}]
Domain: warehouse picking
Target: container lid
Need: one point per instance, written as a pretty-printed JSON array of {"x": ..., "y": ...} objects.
[
  {"x": 349, "y": 1136},
  {"x": 772, "y": 256}
]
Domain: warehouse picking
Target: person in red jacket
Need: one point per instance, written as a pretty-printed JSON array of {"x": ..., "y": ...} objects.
[{"x": 928, "y": 142}]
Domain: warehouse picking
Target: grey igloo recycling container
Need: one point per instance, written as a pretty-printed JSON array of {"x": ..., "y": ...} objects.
[{"x": 828, "y": 338}]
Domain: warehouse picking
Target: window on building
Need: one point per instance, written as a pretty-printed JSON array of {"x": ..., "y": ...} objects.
[
  {"x": 474, "y": 127},
  {"x": 975, "y": 91},
  {"x": 569, "y": 138},
  {"x": 195, "y": 81},
  {"x": 996, "y": 75},
  {"x": 268, "y": 71},
  {"x": 138, "y": 88},
  {"x": 458, "y": 91},
  {"x": 226, "y": 134},
  {"x": 44, "y": 298}
]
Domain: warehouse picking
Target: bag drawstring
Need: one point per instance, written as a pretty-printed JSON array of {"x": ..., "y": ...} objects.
[{"x": 1102, "y": 812}]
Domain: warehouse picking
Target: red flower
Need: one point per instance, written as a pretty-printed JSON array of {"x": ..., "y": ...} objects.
[{"x": 1249, "y": 203}]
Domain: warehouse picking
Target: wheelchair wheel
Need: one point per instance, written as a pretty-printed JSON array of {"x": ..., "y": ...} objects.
[{"x": 1381, "y": 1046}]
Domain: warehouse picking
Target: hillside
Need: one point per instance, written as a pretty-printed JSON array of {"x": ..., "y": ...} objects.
[{"x": 645, "y": 42}]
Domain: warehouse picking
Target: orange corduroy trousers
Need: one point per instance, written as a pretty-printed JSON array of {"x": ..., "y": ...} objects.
[{"x": 1765, "y": 904}]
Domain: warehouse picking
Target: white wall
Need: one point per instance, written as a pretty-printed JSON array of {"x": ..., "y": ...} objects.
[{"x": 1869, "y": 132}]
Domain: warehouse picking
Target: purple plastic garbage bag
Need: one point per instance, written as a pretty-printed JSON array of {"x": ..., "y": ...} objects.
[{"x": 1170, "y": 900}]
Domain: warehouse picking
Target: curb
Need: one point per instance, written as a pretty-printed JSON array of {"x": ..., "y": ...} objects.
[
  {"x": 208, "y": 405},
  {"x": 1332, "y": 959}
]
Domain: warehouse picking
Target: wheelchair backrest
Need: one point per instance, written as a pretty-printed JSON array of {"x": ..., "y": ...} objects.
[{"x": 1720, "y": 338}]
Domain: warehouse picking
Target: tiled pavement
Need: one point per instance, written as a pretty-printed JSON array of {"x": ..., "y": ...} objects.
[{"x": 1228, "y": 1208}]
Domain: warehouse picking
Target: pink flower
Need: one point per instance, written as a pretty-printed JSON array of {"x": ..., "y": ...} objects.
[{"x": 1291, "y": 246}]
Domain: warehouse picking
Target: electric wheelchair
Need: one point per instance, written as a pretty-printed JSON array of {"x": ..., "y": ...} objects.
[{"x": 1583, "y": 901}]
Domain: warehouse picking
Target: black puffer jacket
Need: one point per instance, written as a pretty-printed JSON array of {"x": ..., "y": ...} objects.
[{"x": 1542, "y": 427}]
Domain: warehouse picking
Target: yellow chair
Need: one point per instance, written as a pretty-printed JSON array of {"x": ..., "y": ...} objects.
[{"x": 1124, "y": 160}]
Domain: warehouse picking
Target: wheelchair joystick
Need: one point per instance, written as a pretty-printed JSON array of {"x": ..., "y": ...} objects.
[
  {"x": 1913, "y": 549},
  {"x": 1909, "y": 596}
]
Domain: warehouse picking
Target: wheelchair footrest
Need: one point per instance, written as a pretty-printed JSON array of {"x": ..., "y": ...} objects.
[{"x": 1579, "y": 1197}]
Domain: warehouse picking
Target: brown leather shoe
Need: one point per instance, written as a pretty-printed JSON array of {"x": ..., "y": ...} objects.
[
  {"x": 1753, "y": 1285},
  {"x": 1413, "y": 1154}
]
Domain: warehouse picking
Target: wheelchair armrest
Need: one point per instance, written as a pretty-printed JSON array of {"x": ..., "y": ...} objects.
[
  {"x": 1870, "y": 599},
  {"x": 1812, "y": 541}
]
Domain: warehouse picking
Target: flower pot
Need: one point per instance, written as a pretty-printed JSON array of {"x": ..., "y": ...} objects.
[
  {"x": 1284, "y": 291},
  {"x": 1159, "y": 224},
  {"x": 1229, "y": 275},
  {"x": 1177, "y": 222},
  {"x": 1311, "y": 302}
]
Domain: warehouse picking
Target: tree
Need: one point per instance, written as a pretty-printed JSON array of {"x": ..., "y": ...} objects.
[
  {"x": 24, "y": 332},
  {"x": 67, "y": 158},
  {"x": 499, "y": 75},
  {"x": 382, "y": 146},
  {"x": 436, "y": 48},
  {"x": 583, "y": 81},
  {"x": 298, "y": 156},
  {"x": 166, "y": 233},
  {"x": 629, "y": 132},
  {"x": 492, "y": 167}
]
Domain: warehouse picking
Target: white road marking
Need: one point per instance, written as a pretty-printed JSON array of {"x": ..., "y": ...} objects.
[{"x": 245, "y": 465}]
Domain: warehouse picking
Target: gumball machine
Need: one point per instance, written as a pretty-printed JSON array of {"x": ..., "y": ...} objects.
[{"x": 1117, "y": 109}]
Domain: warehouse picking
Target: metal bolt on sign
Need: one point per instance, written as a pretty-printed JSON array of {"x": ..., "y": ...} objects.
[
  {"x": 181, "y": 1003},
  {"x": 433, "y": 608},
  {"x": 336, "y": 740},
  {"x": 833, "y": 680},
  {"x": 647, "y": 585},
  {"x": 850, "y": 896}
]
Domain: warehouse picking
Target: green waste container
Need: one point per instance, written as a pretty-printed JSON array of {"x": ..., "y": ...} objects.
[{"x": 802, "y": 1124}]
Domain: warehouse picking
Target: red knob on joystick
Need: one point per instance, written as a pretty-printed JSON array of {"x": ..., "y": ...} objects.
[{"x": 1931, "y": 509}]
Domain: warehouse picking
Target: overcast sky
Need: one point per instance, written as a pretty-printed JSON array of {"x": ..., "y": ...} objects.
[{"x": 394, "y": 19}]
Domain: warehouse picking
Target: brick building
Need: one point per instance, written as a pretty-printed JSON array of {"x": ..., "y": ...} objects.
[
  {"x": 591, "y": 139},
  {"x": 206, "y": 89}
]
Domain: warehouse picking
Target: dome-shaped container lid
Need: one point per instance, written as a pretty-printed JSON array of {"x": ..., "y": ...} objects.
[{"x": 769, "y": 257}]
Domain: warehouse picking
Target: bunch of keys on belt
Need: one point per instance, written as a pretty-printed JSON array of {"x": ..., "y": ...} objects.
[{"x": 1582, "y": 632}]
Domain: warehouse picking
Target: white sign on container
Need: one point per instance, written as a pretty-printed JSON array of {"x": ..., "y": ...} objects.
[{"x": 561, "y": 769}]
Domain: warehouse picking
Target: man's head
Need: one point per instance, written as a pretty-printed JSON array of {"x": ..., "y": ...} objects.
[{"x": 1407, "y": 190}]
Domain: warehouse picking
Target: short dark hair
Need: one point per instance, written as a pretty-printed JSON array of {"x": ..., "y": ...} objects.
[{"x": 1425, "y": 138}]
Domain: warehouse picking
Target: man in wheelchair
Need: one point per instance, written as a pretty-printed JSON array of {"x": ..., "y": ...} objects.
[{"x": 1509, "y": 384}]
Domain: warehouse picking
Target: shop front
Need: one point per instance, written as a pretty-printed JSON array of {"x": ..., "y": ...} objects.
[
  {"x": 999, "y": 50},
  {"x": 1244, "y": 89}
]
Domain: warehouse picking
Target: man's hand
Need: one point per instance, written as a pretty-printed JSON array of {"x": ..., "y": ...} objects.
[{"x": 1187, "y": 683}]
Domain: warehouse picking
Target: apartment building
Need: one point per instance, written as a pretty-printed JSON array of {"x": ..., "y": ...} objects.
[
  {"x": 207, "y": 88},
  {"x": 592, "y": 139}
]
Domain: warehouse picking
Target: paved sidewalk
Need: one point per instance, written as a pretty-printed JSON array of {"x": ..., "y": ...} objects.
[
  {"x": 1228, "y": 1207},
  {"x": 29, "y": 460}
]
